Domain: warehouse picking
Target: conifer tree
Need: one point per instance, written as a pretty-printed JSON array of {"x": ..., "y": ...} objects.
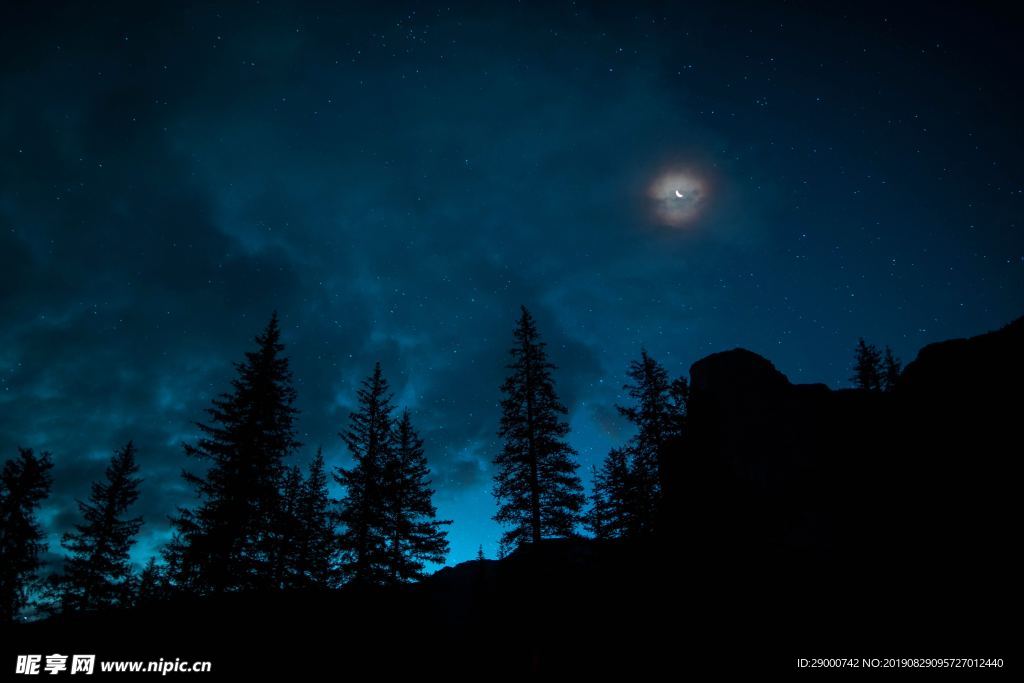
[
  {"x": 318, "y": 522},
  {"x": 97, "y": 573},
  {"x": 679, "y": 397},
  {"x": 627, "y": 489},
  {"x": 24, "y": 483},
  {"x": 891, "y": 368},
  {"x": 594, "y": 517},
  {"x": 289, "y": 531},
  {"x": 151, "y": 586},
  {"x": 179, "y": 575},
  {"x": 309, "y": 539},
  {"x": 657, "y": 412},
  {"x": 229, "y": 542},
  {"x": 867, "y": 367},
  {"x": 416, "y": 535},
  {"x": 614, "y": 509},
  {"x": 362, "y": 511},
  {"x": 537, "y": 489}
]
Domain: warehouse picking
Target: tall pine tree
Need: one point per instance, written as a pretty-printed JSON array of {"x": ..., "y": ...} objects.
[
  {"x": 151, "y": 586},
  {"x": 98, "y": 573},
  {"x": 867, "y": 367},
  {"x": 24, "y": 483},
  {"x": 627, "y": 489},
  {"x": 537, "y": 489},
  {"x": 229, "y": 541},
  {"x": 891, "y": 368},
  {"x": 614, "y": 511},
  {"x": 320, "y": 540},
  {"x": 289, "y": 530},
  {"x": 416, "y": 535},
  {"x": 362, "y": 511},
  {"x": 308, "y": 537}
]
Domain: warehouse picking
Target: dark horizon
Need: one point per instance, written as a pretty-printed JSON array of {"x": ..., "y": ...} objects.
[{"x": 396, "y": 183}]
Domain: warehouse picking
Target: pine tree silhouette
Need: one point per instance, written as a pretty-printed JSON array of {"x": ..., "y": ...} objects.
[
  {"x": 229, "y": 541},
  {"x": 538, "y": 491},
  {"x": 181, "y": 576},
  {"x": 317, "y": 562},
  {"x": 679, "y": 397},
  {"x": 615, "y": 510},
  {"x": 97, "y": 573},
  {"x": 308, "y": 538},
  {"x": 891, "y": 368},
  {"x": 362, "y": 511},
  {"x": 627, "y": 489},
  {"x": 867, "y": 367},
  {"x": 657, "y": 416},
  {"x": 289, "y": 531},
  {"x": 594, "y": 517},
  {"x": 24, "y": 483},
  {"x": 151, "y": 586},
  {"x": 416, "y": 535}
]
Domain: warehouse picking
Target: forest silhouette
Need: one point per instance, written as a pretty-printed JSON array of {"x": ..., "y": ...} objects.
[{"x": 746, "y": 518}]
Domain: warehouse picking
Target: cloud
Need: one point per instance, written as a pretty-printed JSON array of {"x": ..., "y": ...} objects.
[{"x": 395, "y": 189}]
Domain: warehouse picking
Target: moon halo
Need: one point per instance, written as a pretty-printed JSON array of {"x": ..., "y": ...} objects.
[{"x": 677, "y": 197}]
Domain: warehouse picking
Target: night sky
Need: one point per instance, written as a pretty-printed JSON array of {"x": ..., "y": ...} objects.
[{"x": 397, "y": 181}]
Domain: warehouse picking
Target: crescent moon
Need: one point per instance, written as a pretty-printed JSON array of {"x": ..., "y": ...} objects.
[{"x": 678, "y": 194}]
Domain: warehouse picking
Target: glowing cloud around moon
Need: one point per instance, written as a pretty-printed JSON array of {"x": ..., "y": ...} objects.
[{"x": 677, "y": 198}]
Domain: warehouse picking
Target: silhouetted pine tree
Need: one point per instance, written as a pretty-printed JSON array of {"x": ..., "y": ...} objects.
[
  {"x": 318, "y": 521},
  {"x": 151, "y": 586},
  {"x": 615, "y": 508},
  {"x": 309, "y": 538},
  {"x": 179, "y": 575},
  {"x": 867, "y": 367},
  {"x": 416, "y": 535},
  {"x": 229, "y": 541},
  {"x": 593, "y": 518},
  {"x": 289, "y": 530},
  {"x": 890, "y": 370},
  {"x": 538, "y": 491},
  {"x": 362, "y": 511},
  {"x": 24, "y": 483},
  {"x": 679, "y": 397},
  {"x": 658, "y": 413},
  {"x": 97, "y": 573}
]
